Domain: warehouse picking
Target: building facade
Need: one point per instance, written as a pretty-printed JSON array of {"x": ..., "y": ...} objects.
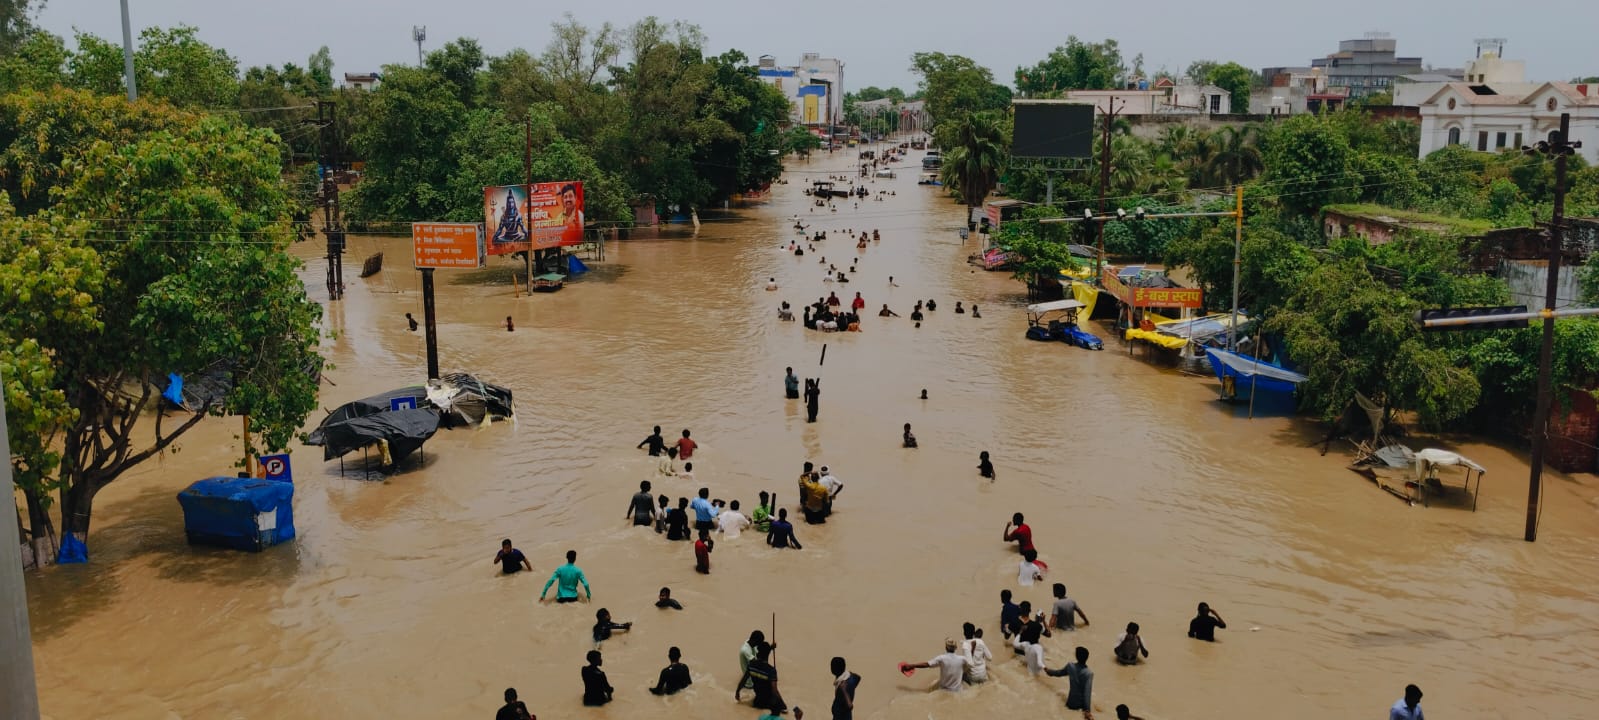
[
  {"x": 1483, "y": 118},
  {"x": 1173, "y": 99},
  {"x": 1366, "y": 66},
  {"x": 814, "y": 87}
]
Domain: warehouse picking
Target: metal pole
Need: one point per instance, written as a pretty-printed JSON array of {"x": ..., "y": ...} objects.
[
  {"x": 127, "y": 54},
  {"x": 1104, "y": 182},
  {"x": 527, "y": 191},
  {"x": 1540, "y": 423},
  {"x": 1238, "y": 244},
  {"x": 19, "y": 693},
  {"x": 429, "y": 323}
]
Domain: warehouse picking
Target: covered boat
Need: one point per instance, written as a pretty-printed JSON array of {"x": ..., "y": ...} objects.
[{"x": 1235, "y": 370}]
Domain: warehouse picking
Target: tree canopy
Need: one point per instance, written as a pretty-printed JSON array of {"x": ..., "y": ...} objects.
[{"x": 1076, "y": 65}]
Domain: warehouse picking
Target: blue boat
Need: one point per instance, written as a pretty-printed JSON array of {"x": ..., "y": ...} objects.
[{"x": 1235, "y": 370}]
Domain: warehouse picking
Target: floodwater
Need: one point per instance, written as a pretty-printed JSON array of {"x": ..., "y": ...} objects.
[{"x": 1146, "y": 497}]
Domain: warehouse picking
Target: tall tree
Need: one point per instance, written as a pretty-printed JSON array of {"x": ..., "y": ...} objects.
[
  {"x": 16, "y": 22},
  {"x": 457, "y": 64},
  {"x": 954, "y": 86},
  {"x": 1076, "y": 65},
  {"x": 1310, "y": 161},
  {"x": 320, "y": 68},
  {"x": 171, "y": 64},
  {"x": 975, "y": 157},
  {"x": 1236, "y": 80},
  {"x": 189, "y": 228},
  {"x": 37, "y": 62},
  {"x": 404, "y": 137},
  {"x": 1237, "y": 158}
]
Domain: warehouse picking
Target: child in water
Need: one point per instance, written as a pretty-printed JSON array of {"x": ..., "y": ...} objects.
[
  {"x": 984, "y": 467},
  {"x": 910, "y": 440}
]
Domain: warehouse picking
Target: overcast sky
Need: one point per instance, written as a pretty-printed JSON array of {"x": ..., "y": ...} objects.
[{"x": 875, "y": 40}]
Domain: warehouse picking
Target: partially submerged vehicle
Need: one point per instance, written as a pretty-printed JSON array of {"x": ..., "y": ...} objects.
[
  {"x": 1057, "y": 321},
  {"x": 885, "y": 173}
]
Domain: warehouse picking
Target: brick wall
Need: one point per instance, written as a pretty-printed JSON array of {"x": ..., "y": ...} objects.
[{"x": 1573, "y": 433}]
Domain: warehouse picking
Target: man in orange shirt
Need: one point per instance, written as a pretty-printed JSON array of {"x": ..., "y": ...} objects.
[{"x": 686, "y": 446}]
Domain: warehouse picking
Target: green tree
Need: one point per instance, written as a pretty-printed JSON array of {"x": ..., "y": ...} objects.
[
  {"x": 404, "y": 137},
  {"x": 1237, "y": 158},
  {"x": 1076, "y": 65},
  {"x": 16, "y": 23},
  {"x": 457, "y": 65},
  {"x": 1039, "y": 250},
  {"x": 975, "y": 158},
  {"x": 320, "y": 68},
  {"x": 171, "y": 64},
  {"x": 189, "y": 228},
  {"x": 1236, "y": 80},
  {"x": 1307, "y": 160},
  {"x": 954, "y": 86},
  {"x": 38, "y": 62},
  {"x": 801, "y": 142}
]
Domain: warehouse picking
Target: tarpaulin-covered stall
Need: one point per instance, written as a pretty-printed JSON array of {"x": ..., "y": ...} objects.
[
  {"x": 240, "y": 513},
  {"x": 466, "y": 400},
  {"x": 396, "y": 433},
  {"x": 1412, "y": 475}
]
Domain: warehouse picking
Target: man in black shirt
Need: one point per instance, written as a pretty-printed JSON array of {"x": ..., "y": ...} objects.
[
  {"x": 763, "y": 679},
  {"x": 596, "y": 689},
  {"x": 1031, "y": 628},
  {"x": 1203, "y": 626},
  {"x": 603, "y": 627},
  {"x": 514, "y": 709},
  {"x": 511, "y": 559},
  {"x": 844, "y": 684},
  {"x": 674, "y": 676},
  {"x": 677, "y": 521},
  {"x": 655, "y": 441}
]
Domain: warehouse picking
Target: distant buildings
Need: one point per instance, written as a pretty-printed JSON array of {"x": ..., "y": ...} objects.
[
  {"x": 814, "y": 87},
  {"x": 1366, "y": 66},
  {"x": 1488, "y": 68},
  {"x": 1164, "y": 98},
  {"x": 362, "y": 81},
  {"x": 1507, "y": 116}
]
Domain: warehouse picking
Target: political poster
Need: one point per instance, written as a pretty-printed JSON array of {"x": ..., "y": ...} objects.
[{"x": 553, "y": 218}]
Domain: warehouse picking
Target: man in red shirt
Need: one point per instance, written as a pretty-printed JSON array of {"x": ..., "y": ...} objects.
[
  {"x": 1020, "y": 533},
  {"x": 857, "y": 304},
  {"x": 702, "y": 552},
  {"x": 685, "y": 447}
]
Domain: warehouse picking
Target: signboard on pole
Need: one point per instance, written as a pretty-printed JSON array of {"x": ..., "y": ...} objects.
[
  {"x": 277, "y": 467},
  {"x": 553, "y": 218},
  {"x": 1150, "y": 297},
  {"x": 447, "y": 245}
]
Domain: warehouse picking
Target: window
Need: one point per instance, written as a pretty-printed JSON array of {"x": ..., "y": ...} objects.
[
  {"x": 1482, "y": 140},
  {"x": 1215, "y": 103},
  {"x": 1454, "y": 136},
  {"x": 1499, "y": 141},
  {"x": 1517, "y": 143}
]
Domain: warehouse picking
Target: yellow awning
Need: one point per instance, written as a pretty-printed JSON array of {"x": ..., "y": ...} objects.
[{"x": 1165, "y": 341}]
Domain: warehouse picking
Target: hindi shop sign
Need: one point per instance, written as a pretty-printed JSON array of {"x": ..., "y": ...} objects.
[
  {"x": 1151, "y": 297},
  {"x": 447, "y": 245}
]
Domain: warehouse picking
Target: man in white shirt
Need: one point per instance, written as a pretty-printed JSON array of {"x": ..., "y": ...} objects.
[
  {"x": 1407, "y": 707},
  {"x": 834, "y": 487},
  {"x": 732, "y": 522},
  {"x": 977, "y": 655},
  {"x": 951, "y": 667}
]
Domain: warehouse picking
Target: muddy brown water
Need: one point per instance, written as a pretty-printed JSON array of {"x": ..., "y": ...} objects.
[{"x": 1146, "y": 496}]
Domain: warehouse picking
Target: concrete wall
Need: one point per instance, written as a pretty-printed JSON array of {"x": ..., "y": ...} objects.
[
  {"x": 1527, "y": 279},
  {"x": 1151, "y": 127}
]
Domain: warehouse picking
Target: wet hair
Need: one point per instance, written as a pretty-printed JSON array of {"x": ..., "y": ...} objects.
[
  {"x": 657, "y": 429},
  {"x": 838, "y": 666},
  {"x": 689, "y": 467},
  {"x": 1082, "y": 654},
  {"x": 505, "y": 543},
  {"x": 1204, "y": 608},
  {"x": 1004, "y": 595},
  {"x": 601, "y": 613},
  {"x": 571, "y": 556},
  {"x": 665, "y": 500},
  {"x": 1060, "y": 590},
  {"x": 763, "y": 651},
  {"x": 510, "y": 695},
  {"x": 705, "y": 493},
  {"x": 671, "y": 452},
  {"x": 764, "y": 495},
  {"x": 782, "y": 513},
  {"x": 1132, "y": 628},
  {"x": 1027, "y": 607},
  {"x": 685, "y": 432},
  {"x": 1016, "y": 518},
  {"x": 757, "y": 638},
  {"x": 734, "y": 505},
  {"x": 808, "y": 466},
  {"x": 969, "y": 630},
  {"x": 682, "y": 502},
  {"x": 983, "y": 455},
  {"x": 674, "y": 654},
  {"x": 644, "y": 486},
  {"x": 1030, "y": 555},
  {"x": 666, "y": 591},
  {"x": 593, "y": 657},
  {"x": 1122, "y": 711}
]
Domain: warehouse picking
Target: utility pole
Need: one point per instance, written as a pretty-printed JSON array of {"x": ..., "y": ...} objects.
[
  {"x": 332, "y": 215},
  {"x": 1561, "y": 149},
  {"x": 19, "y": 692},
  {"x": 1238, "y": 262},
  {"x": 527, "y": 195},
  {"x": 430, "y": 323},
  {"x": 127, "y": 54},
  {"x": 1104, "y": 180}
]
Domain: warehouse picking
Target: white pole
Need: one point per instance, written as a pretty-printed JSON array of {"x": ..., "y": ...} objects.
[
  {"x": 127, "y": 54},
  {"x": 19, "y": 694}
]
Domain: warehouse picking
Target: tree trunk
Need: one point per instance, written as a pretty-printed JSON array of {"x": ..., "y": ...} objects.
[
  {"x": 77, "y": 502},
  {"x": 41, "y": 531}
]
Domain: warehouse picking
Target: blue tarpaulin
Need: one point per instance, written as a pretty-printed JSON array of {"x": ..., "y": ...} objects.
[
  {"x": 575, "y": 266},
  {"x": 240, "y": 513}
]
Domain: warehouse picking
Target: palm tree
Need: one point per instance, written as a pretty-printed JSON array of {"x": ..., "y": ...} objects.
[
  {"x": 1238, "y": 158},
  {"x": 973, "y": 161}
]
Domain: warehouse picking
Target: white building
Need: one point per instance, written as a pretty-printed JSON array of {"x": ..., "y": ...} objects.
[
  {"x": 1483, "y": 118},
  {"x": 814, "y": 87},
  {"x": 1163, "y": 99},
  {"x": 1505, "y": 76}
]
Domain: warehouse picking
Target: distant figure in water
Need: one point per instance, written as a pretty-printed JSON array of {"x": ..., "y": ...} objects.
[
  {"x": 924, "y": 393},
  {"x": 410, "y": 321},
  {"x": 885, "y": 312},
  {"x": 665, "y": 600},
  {"x": 931, "y": 306},
  {"x": 771, "y": 283},
  {"x": 813, "y": 398},
  {"x": 509, "y": 325},
  {"x": 891, "y": 282},
  {"x": 984, "y": 467},
  {"x": 511, "y": 560},
  {"x": 958, "y": 309},
  {"x": 909, "y": 439},
  {"x": 514, "y": 709},
  {"x": 791, "y": 385},
  {"x": 976, "y": 314}
]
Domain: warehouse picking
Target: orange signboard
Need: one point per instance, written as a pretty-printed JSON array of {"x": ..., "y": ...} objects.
[
  {"x": 1149, "y": 297},
  {"x": 447, "y": 245}
]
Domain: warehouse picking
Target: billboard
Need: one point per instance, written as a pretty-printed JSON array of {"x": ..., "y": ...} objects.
[
  {"x": 553, "y": 218},
  {"x": 1052, "y": 129},
  {"x": 447, "y": 245},
  {"x": 1146, "y": 297}
]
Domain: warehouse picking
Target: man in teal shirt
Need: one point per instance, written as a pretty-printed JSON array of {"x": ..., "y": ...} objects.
[{"x": 569, "y": 576}]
